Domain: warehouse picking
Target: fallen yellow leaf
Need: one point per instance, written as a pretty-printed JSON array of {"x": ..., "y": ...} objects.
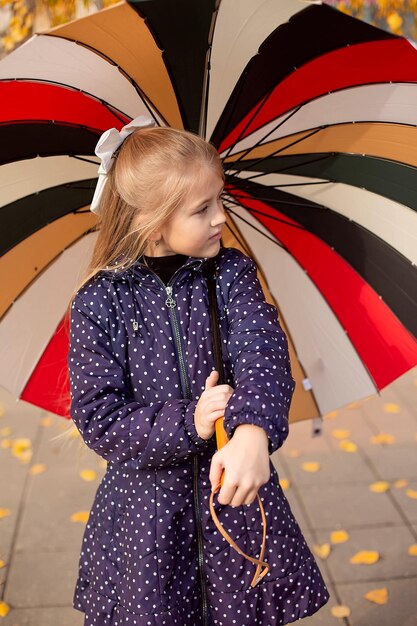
[
  {"x": 322, "y": 551},
  {"x": 412, "y": 493},
  {"x": 365, "y": 557},
  {"x": 285, "y": 483},
  {"x": 380, "y": 486},
  {"x": 339, "y": 536},
  {"x": 47, "y": 421},
  {"x": 80, "y": 516},
  {"x": 6, "y": 443},
  {"x": 331, "y": 415},
  {"x": 412, "y": 550},
  {"x": 340, "y": 611},
  {"x": 294, "y": 454},
  {"x": 38, "y": 468},
  {"x": 6, "y": 431},
  {"x": 2, "y": 563},
  {"x": 340, "y": 434},
  {"x": 382, "y": 438},
  {"x": 353, "y": 405},
  {"x": 311, "y": 467},
  {"x": 402, "y": 482},
  {"x": 379, "y": 596},
  {"x": 88, "y": 474},
  {"x": 348, "y": 446},
  {"x": 4, "y": 609},
  {"x": 4, "y": 512},
  {"x": 75, "y": 433},
  {"x": 391, "y": 407},
  {"x": 21, "y": 449}
]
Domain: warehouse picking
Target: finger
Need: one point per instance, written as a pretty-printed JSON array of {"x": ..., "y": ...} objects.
[
  {"x": 242, "y": 496},
  {"x": 250, "y": 498},
  {"x": 211, "y": 381},
  {"x": 216, "y": 469},
  {"x": 227, "y": 492},
  {"x": 213, "y": 416}
]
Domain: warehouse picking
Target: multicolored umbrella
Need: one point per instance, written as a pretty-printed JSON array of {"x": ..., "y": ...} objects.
[{"x": 313, "y": 113}]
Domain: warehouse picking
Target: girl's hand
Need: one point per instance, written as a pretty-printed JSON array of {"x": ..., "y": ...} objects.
[
  {"x": 211, "y": 405},
  {"x": 245, "y": 459}
]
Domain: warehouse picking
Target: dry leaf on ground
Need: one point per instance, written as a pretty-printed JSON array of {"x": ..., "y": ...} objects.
[
  {"x": 4, "y": 512},
  {"x": 341, "y": 610},
  {"x": 365, "y": 557},
  {"x": 322, "y": 551},
  {"x": 412, "y": 550},
  {"x": 379, "y": 596},
  {"x": 382, "y": 439},
  {"x": 348, "y": 446},
  {"x": 88, "y": 474},
  {"x": 339, "y": 536},
  {"x": 80, "y": 516},
  {"x": 401, "y": 483},
  {"x": 381, "y": 486},
  {"x": 391, "y": 407},
  {"x": 4, "y": 609},
  {"x": 340, "y": 434},
  {"x": 311, "y": 466},
  {"x": 285, "y": 483},
  {"x": 38, "y": 468}
]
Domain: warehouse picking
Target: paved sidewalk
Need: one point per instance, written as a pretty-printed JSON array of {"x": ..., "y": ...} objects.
[{"x": 40, "y": 545}]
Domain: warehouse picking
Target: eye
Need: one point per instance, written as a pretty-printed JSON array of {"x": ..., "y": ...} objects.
[{"x": 203, "y": 210}]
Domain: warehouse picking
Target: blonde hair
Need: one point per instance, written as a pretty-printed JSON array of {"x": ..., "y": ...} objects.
[{"x": 153, "y": 171}]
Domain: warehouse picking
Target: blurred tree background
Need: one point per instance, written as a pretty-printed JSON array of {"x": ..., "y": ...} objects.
[
  {"x": 396, "y": 16},
  {"x": 19, "y": 19}
]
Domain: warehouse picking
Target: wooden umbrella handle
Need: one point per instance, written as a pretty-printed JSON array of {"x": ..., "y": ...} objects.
[{"x": 222, "y": 439}]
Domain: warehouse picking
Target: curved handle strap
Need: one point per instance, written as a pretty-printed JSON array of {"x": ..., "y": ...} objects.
[{"x": 260, "y": 563}]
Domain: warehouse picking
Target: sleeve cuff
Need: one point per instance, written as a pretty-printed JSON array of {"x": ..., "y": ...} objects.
[{"x": 276, "y": 437}]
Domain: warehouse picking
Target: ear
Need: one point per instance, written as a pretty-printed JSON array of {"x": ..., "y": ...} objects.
[{"x": 155, "y": 236}]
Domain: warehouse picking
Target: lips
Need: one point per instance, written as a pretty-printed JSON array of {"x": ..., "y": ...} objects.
[{"x": 216, "y": 235}]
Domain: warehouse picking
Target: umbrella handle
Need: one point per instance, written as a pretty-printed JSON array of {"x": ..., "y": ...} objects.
[{"x": 222, "y": 439}]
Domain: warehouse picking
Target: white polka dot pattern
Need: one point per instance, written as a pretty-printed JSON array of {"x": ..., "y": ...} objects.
[{"x": 139, "y": 561}]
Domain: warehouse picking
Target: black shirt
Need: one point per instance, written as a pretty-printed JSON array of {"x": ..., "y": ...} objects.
[{"x": 165, "y": 266}]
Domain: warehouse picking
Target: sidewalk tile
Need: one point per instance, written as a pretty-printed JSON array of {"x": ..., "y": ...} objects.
[
  {"x": 47, "y": 525},
  {"x": 399, "y": 424},
  {"x": 347, "y": 506},
  {"x": 392, "y": 545},
  {"x": 352, "y": 420},
  {"x": 336, "y": 467},
  {"x": 408, "y": 505},
  {"x": 51, "y": 616},
  {"x": 393, "y": 461},
  {"x": 300, "y": 437},
  {"x": 37, "y": 579},
  {"x": 400, "y": 610}
]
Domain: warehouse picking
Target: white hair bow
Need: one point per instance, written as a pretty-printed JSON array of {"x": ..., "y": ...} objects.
[{"x": 107, "y": 145}]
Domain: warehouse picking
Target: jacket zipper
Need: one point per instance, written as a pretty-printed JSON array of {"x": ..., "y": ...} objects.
[{"x": 171, "y": 304}]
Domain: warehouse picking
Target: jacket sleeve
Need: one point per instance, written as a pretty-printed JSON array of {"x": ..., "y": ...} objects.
[
  {"x": 258, "y": 350},
  {"x": 110, "y": 421}
]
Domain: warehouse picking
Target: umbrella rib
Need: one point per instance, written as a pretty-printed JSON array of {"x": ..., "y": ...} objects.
[
  {"x": 206, "y": 85},
  {"x": 257, "y": 229},
  {"x": 272, "y": 217},
  {"x": 73, "y": 156},
  {"x": 273, "y": 201},
  {"x": 293, "y": 143},
  {"x": 289, "y": 167}
]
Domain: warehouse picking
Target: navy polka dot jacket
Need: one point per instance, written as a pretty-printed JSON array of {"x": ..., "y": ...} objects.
[{"x": 140, "y": 352}]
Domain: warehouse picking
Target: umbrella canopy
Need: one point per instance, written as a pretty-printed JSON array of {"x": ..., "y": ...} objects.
[{"x": 313, "y": 113}]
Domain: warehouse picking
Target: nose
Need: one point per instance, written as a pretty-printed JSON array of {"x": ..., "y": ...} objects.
[{"x": 220, "y": 215}]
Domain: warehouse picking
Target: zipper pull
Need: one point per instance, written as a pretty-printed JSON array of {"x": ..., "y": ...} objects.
[{"x": 170, "y": 302}]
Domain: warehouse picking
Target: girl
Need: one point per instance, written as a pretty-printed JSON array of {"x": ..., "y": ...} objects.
[{"x": 144, "y": 397}]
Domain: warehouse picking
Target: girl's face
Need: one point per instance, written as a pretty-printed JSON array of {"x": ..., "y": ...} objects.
[{"x": 195, "y": 228}]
